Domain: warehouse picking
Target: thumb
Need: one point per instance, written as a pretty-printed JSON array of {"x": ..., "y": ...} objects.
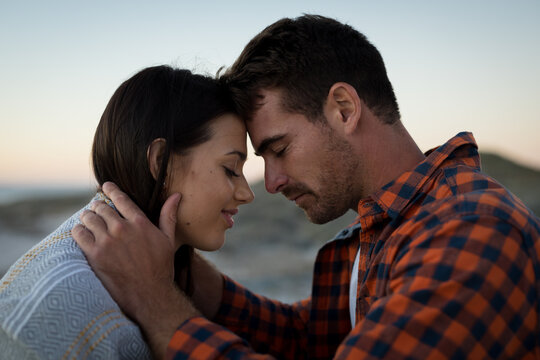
[{"x": 167, "y": 217}]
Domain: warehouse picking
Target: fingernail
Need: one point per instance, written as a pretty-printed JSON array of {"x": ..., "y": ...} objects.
[
  {"x": 105, "y": 186},
  {"x": 85, "y": 212}
]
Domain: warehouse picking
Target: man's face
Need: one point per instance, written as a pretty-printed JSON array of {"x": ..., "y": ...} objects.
[{"x": 305, "y": 161}]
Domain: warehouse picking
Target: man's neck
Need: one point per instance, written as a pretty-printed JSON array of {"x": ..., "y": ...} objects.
[{"x": 389, "y": 151}]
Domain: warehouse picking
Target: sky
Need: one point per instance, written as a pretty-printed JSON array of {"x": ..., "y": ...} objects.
[{"x": 455, "y": 66}]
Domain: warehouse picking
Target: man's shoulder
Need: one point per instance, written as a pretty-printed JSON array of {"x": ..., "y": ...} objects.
[
  {"x": 462, "y": 179},
  {"x": 486, "y": 219},
  {"x": 475, "y": 196}
]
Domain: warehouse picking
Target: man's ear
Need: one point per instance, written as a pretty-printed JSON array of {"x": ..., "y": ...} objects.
[
  {"x": 343, "y": 108},
  {"x": 154, "y": 155}
]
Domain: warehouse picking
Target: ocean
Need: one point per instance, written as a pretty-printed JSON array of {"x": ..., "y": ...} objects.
[
  {"x": 279, "y": 271},
  {"x": 48, "y": 207}
]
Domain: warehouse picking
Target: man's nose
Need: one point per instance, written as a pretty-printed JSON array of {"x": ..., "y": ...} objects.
[{"x": 274, "y": 179}]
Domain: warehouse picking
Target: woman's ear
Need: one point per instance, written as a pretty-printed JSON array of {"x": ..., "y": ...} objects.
[
  {"x": 343, "y": 108},
  {"x": 154, "y": 155}
]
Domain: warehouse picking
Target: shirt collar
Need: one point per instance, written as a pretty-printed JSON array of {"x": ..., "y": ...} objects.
[
  {"x": 348, "y": 232},
  {"x": 394, "y": 196}
]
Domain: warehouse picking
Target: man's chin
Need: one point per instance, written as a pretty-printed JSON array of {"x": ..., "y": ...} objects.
[
  {"x": 314, "y": 212},
  {"x": 319, "y": 217}
]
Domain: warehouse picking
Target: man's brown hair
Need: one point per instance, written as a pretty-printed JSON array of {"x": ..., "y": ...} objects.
[{"x": 304, "y": 57}]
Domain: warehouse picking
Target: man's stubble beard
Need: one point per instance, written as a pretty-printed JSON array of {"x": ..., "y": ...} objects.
[{"x": 337, "y": 182}]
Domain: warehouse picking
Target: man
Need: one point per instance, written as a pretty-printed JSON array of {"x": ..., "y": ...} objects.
[{"x": 442, "y": 261}]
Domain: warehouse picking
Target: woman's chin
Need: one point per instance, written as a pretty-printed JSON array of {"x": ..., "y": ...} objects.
[
  {"x": 206, "y": 243},
  {"x": 210, "y": 244}
]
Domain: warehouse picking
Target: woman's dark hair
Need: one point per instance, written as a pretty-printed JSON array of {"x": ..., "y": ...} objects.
[
  {"x": 304, "y": 57},
  {"x": 157, "y": 102}
]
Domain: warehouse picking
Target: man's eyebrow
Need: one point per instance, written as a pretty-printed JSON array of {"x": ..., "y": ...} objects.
[
  {"x": 266, "y": 143},
  {"x": 241, "y": 155}
]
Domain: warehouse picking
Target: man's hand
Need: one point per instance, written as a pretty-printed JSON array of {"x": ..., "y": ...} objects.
[{"x": 135, "y": 261}]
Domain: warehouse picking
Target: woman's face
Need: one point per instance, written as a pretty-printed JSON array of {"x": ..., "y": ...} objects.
[{"x": 212, "y": 184}]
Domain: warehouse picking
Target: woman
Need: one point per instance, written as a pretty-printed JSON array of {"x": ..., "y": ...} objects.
[{"x": 164, "y": 131}]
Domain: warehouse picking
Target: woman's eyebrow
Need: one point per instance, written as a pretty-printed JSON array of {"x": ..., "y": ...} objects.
[{"x": 241, "y": 155}]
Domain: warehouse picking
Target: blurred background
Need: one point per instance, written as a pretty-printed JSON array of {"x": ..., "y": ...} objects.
[{"x": 455, "y": 66}]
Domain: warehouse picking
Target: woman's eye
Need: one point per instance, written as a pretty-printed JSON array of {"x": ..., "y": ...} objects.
[{"x": 230, "y": 173}]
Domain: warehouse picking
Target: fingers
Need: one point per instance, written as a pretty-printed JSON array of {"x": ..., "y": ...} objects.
[
  {"x": 107, "y": 214},
  {"x": 123, "y": 203},
  {"x": 83, "y": 237},
  {"x": 93, "y": 223},
  {"x": 168, "y": 215}
]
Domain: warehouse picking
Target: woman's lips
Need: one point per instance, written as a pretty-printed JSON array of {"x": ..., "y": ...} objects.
[{"x": 228, "y": 216}]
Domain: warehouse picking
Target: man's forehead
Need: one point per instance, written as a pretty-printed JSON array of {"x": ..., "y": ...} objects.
[
  {"x": 264, "y": 132},
  {"x": 269, "y": 98},
  {"x": 266, "y": 110},
  {"x": 259, "y": 127},
  {"x": 269, "y": 120},
  {"x": 260, "y": 100}
]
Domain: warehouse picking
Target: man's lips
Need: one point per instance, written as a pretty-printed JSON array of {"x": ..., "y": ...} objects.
[
  {"x": 296, "y": 192},
  {"x": 295, "y": 197}
]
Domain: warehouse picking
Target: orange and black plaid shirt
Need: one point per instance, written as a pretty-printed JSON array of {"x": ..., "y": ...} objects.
[{"x": 449, "y": 268}]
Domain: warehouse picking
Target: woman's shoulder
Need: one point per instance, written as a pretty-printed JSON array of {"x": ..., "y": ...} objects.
[
  {"x": 54, "y": 251},
  {"x": 52, "y": 293}
]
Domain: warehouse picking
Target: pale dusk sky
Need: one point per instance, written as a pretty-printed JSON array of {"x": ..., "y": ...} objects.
[{"x": 455, "y": 66}]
